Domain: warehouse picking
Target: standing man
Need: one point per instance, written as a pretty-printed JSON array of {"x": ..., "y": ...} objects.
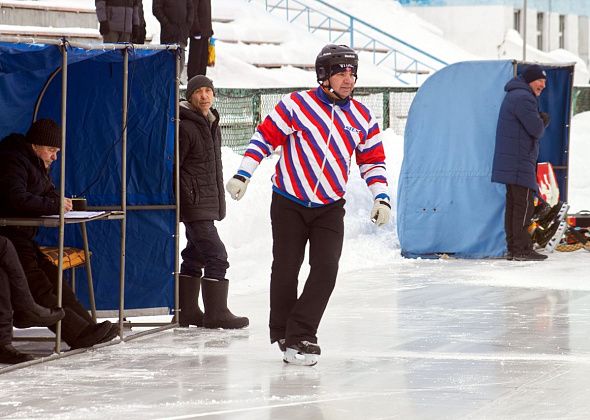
[
  {"x": 201, "y": 31},
  {"x": 318, "y": 131},
  {"x": 519, "y": 131},
  {"x": 176, "y": 19},
  {"x": 202, "y": 201},
  {"x": 27, "y": 191},
  {"x": 118, "y": 19}
]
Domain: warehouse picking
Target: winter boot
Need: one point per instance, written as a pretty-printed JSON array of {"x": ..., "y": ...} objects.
[
  {"x": 38, "y": 316},
  {"x": 91, "y": 335},
  {"x": 303, "y": 353},
  {"x": 11, "y": 356},
  {"x": 215, "y": 300},
  {"x": 188, "y": 295}
]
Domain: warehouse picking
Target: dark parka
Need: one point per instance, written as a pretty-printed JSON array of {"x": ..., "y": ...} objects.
[
  {"x": 202, "y": 20},
  {"x": 25, "y": 187},
  {"x": 518, "y": 135},
  {"x": 202, "y": 195},
  {"x": 122, "y": 15},
  {"x": 176, "y": 19}
]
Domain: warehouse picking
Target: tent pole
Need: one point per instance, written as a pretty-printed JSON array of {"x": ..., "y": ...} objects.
[
  {"x": 176, "y": 187},
  {"x": 123, "y": 190},
  {"x": 62, "y": 187}
]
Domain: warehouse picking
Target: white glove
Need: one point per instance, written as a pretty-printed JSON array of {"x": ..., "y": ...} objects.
[
  {"x": 380, "y": 212},
  {"x": 236, "y": 186}
]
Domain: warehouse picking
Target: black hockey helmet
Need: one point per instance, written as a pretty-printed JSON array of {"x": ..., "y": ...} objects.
[{"x": 334, "y": 55}]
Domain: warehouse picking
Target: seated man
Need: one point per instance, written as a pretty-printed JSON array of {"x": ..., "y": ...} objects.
[
  {"x": 15, "y": 294},
  {"x": 26, "y": 190}
]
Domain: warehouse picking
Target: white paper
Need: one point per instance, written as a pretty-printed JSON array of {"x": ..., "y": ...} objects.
[{"x": 79, "y": 214}]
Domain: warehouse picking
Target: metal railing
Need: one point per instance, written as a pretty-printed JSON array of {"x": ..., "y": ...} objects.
[{"x": 407, "y": 62}]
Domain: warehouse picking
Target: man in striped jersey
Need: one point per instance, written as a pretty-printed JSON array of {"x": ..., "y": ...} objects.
[{"x": 318, "y": 131}]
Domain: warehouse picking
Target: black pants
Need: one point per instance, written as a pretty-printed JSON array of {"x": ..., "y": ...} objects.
[
  {"x": 42, "y": 277},
  {"x": 14, "y": 290},
  {"x": 198, "y": 55},
  {"x": 204, "y": 251},
  {"x": 519, "y": 211},
  {"x": 293, "y": 226}
]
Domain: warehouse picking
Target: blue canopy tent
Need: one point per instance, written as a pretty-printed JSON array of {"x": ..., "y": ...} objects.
[
  {"x": 120, "y": 118},
  {"x": 447, "y": 203}
]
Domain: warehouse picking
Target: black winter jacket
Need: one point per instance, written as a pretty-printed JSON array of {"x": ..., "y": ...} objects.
[
  {"x": 518, "y": 135},
  {"x": 176, "y": 19},
  {"x": 122, "y": 15},
  {"x": 202, "y": 195},
  {"x": 202, "y": 21},
  {"x": 25, "y": 187}
]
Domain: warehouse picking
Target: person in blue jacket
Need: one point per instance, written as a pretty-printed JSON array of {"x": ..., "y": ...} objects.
[{"x": 518, "y": 134}]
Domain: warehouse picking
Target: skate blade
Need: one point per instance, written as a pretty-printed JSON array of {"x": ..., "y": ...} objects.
[
  {"x": 292, "y": 357},
  {"x": 556, "y": 238}
]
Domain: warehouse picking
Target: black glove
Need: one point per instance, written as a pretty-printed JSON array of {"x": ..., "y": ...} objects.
[
  {"x": 104, "y": 27},
  {"x": 545, "y": 117}
]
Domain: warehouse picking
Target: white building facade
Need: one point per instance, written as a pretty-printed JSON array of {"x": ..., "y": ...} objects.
[{"x": 484, "y": 26}]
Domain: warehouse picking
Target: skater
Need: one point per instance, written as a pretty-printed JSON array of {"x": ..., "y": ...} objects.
[
  {"x": 518, "y": 134},
  {"x": 318, "y": 131},
  {"x": 27, "y": 190},
  {"x": 202, "y": 200}
]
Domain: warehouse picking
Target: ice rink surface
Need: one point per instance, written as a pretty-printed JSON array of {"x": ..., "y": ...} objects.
[{"x": 416, "y": 339}]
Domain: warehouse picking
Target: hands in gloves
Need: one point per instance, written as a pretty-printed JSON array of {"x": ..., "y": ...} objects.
[
  {"x": 236, "y": 186},
  {"x": 380, "y": 212},
  {"x": 104, "y": 27},
  {"x": 545, "y": 117}
]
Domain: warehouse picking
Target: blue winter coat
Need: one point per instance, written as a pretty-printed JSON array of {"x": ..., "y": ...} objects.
[{"x": 518, "y": 134}]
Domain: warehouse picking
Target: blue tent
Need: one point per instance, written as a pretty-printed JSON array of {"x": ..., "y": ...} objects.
[
  {"x": 31, "y": 88},
  {"x": 447, "y": 203}
]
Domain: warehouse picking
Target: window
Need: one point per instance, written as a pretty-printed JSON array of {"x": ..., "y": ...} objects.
[
  {"x": 540, "y": 22},
  {"x": 561, "y": 33},
  {"x": 516, "y": 20}
]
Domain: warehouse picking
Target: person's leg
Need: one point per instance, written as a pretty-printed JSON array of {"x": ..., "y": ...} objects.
[
  {"x": 523, "y": 207},
  {"x": 197, "y": 57},
  {"x": 326, "y": 227},
  {"x": 5, "y": 309},
  {"x": 19, "y": 289},
  {"x": 508, "y": 224},
  {"x": 290, "y": 234},
  {"x": 192, "y": 261},
  {"x": 207, "y": 249}
]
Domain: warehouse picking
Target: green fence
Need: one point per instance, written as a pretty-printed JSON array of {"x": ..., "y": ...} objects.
[{"x": 242, "y": 110}]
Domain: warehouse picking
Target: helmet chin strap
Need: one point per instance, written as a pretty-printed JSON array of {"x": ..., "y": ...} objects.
[{"x": 332, "y": 91}]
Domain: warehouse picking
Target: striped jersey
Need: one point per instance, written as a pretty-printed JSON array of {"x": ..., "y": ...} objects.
[{"x": 318, "y": 138}]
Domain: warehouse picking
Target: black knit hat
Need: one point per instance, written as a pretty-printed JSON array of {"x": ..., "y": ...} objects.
[
  {"x": 44, "y": 132},
  {"x": 533, "y": 72},
  {"x": 198, "y": 82}
]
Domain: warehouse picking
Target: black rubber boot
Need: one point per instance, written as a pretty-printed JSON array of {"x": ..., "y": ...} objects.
[
  {"x": 188, "y": 296},
  {"x": 11, "y": 356},
  {"x": 38, "y": 316},
  {"x": 215, "y": 300}
]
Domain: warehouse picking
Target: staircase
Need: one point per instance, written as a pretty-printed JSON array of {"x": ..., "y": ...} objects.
[
  {"x": 24, "y": 20},
  {"x": 409, "y": 64}
]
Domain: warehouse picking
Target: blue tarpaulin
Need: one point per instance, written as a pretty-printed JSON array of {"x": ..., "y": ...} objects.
[
  {"x": 30, "y": 74},
  {"x": 447, "y": 203}
]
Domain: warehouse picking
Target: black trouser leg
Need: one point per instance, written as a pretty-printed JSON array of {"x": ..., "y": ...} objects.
[
  {"x": 20, "y": 295},
  {"x": 5, "y": 309},
  {"x": 198, "y": 56},
  {"x": 519, "y": 211},
  {"x": 293, "y": 226},
  {"x": 204, "y": 250}
]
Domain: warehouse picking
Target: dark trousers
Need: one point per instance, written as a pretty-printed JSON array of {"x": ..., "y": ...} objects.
[
  {"x": 204, "y": 252},
  {"x": 293, "y": 226},
  {"x": 42, "y": 278},
  {"x": 14, "y": 291},
  {"x": 519, "y": 211},
  {"x": 198, "y": 55}
]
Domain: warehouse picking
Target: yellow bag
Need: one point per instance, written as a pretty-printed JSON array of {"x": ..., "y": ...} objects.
[{"x": 211, "y": 50}]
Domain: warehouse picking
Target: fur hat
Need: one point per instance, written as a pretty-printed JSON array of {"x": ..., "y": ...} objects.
[
  {"x": 198, "y": 82},
  {"x": 44, "y": 132},
  {"x": 533, "y": 72}
]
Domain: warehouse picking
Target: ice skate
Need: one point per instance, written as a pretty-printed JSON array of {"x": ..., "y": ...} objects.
[
  {"x": 556, "y": 238},
  {"x": 303, "y": 353}
]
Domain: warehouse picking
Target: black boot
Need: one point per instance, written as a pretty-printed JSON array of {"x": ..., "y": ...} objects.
[
  {"x": 91, "y": 335},
  {"x": 215, "y": 300},
  {"x": 12, "y": 356},
  {"x": 38, "y": 316},
  {"x": 188, "y": 296}
]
